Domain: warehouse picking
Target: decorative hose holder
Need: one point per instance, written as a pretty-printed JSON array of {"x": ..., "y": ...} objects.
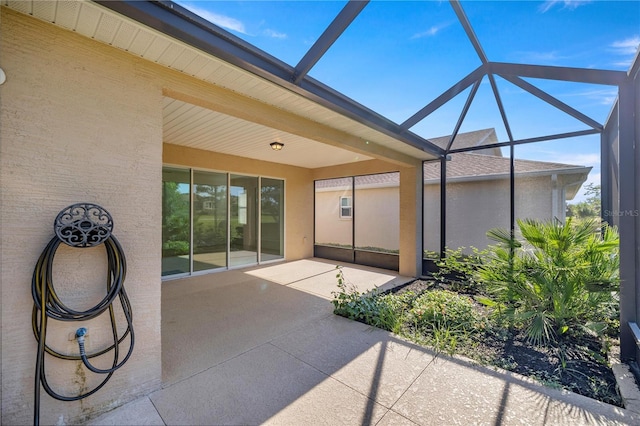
[
  {"x": 79, "y": 225},
  {"x": 83, "y": 225}
]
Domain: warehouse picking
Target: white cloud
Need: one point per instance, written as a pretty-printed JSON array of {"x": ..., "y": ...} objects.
[
  {"x": 578, "y": 159},
  {"x": 627, "y": 46},
  {"x": 566, "y": 4},
  {"x": 627, "y": 49},
  {"x": 584, "y": 159},
  {"x": 274, "y": 34},
  {"x": 219, "y": 20},
  {"x": 552, "y": 57},
  {"x": 431, "y": 31},
  {"x": 604, "y": 96}
]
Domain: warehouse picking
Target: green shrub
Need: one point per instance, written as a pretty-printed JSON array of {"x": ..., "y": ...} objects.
[
  {"x": 443, "y": 318},
  {"x": 393, "y": 310},
  {"x": 458, "y": 270},
  {"x": 350, "y": 303},
  {"x": 442, "y": 307},
  {"x": 560, "y": 278}
]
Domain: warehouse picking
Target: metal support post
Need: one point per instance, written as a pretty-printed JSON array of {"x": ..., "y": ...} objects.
[{"x": 627, "y": 213}]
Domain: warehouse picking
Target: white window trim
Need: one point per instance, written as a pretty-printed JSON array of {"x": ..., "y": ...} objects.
[{"x": 341, "y": 207}]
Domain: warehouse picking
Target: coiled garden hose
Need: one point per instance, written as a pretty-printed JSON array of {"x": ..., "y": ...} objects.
[{"x": 79, "y": 225}]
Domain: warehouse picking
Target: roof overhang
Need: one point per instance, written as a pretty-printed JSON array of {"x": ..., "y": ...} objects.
[
  {"x": 580, "y": 172},
  {"x": 169, "y": 35}
]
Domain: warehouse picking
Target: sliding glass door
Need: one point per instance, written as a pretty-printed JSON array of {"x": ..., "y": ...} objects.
[
  {"x": 271, "y": 219},
  {"x": 209, "y": 220},
  {"x": 176, "y": 223},
  {"x": 243, "y": 219},
  {"x": 213, "y": 220}
]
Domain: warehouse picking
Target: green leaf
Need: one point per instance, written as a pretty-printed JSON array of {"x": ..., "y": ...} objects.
[
  {"x": 486, "y": 301},
  {"x": 597, "y": 327}
]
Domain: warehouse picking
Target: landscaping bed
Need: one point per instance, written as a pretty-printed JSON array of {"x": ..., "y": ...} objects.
[
  {"x": 545, "y": 306},
  {"x": 576, "y": 363}
]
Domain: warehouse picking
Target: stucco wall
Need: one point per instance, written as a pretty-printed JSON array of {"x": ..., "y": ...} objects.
[
  {"x": 410, "y": 227},
  {"x": 378, "y": 209},
  {"x": 79, "y": 122},
  {"x": 377, "y": 218},
  {"x": 298, "y": 190},
  {"x": 330, "y": 227},
  {"x": 477, "y": 206},
  {"x": 472, "y": 209}
]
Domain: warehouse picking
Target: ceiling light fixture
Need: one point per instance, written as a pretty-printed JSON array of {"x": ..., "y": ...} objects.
[{"x": 276, "y": 146}]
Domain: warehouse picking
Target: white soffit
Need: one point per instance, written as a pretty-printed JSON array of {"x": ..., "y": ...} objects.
[
  {"x": 196, "y": 127},
  {"x": 101, "y": 24}
]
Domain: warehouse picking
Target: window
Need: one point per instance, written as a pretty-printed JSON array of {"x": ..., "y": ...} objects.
[
  {"x": 345, "y": 208},
  {"x": 213, "y": 220},
  {"x": 271, "y": 219}
]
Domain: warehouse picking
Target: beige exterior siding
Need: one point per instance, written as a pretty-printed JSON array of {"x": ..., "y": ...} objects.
[
  {"x": 82, "y": 122},
  {"x": 331, "y": 229},
  {"x": 376, "y": 207},
  {"x": 78, "y": 122},
  {"x": 473, "y": 207},
  {"x": 410, "y": 228}
]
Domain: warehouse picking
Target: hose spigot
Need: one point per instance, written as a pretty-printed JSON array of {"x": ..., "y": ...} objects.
[{"x": 80, "y": 333}]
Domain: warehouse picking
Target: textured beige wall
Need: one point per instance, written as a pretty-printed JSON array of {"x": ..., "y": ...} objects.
[
  {"x": 330, "y": 228},
  {"x": 79, "y": 121},
  {"x": 377, "y": 218},
  {"x": 378, "y": 210},
  {"x": 472, "y": 209},
  {"x": 298, "y": 190},
  {"x": 410, "y": 228},
  {"x": 475, "y": 207}
]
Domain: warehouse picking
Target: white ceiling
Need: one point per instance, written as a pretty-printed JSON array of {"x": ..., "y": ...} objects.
[{"x": 197, "y": 127}]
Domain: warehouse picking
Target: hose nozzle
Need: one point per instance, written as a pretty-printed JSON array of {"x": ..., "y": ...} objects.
[{"x": 80, "y": 333}]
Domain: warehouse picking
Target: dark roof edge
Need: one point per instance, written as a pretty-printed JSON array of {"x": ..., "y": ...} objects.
[
  {"x": 532, "y": 173},
  {"x": 179, "y": 23}
]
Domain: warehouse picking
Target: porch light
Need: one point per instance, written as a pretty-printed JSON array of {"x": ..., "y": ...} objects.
[{"x": 276, "y": 146}]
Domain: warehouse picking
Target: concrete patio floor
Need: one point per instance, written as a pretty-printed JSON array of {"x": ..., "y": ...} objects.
[{"x": 262, "y": 346}]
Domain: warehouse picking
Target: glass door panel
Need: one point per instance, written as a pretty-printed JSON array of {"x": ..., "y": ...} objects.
[
  {"x": 243, "y": 220},
  {"x": 175, "y": 221},
  {"x": 334, "y": 212},
  {"x": 377, "y": 212},
  {"x": 271, "y": 219},
  {"x": 209, "y": 220}
]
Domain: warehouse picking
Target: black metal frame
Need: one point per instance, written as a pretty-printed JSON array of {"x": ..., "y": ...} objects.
[
  {"x": 353, "y": 254},
  {"x": 177, "y": 22},
  {"x": 181, "y": 24}
]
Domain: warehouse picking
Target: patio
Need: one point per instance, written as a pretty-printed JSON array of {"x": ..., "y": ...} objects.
[
  {"x": 262, "y": 346},
  {"x": 167, "y": 120}
]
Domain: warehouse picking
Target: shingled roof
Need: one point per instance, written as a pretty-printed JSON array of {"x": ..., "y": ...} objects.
[
  {"x": 471, "y": 140},
  {"x": 471, "y": 166},
  {"x": 481, "y": 165}
]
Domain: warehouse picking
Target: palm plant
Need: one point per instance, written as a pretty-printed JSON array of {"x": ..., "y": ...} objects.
[{"x": 560, "y": 277}]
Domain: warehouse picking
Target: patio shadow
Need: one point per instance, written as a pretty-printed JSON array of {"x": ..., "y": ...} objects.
[{"x": 262, "y": 346}]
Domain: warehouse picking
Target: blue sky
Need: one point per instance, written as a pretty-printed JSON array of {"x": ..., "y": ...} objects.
[{"x": 397, "y": 56}]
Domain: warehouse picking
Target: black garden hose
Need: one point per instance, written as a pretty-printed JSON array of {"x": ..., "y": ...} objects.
[{"x": 47, "y": 305}]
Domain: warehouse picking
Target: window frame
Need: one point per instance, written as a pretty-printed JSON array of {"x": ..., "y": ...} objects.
[{"x": 349, "y": 207}]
